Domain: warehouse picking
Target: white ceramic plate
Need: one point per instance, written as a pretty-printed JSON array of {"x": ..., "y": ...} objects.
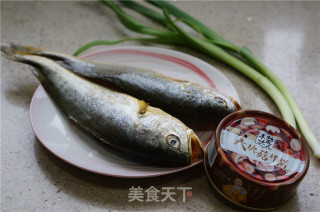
[{"x": 65, "y": 140}]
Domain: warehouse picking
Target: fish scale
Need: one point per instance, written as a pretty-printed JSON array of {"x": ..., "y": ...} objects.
[
  {"x": 180, "y": 98},
  {"x": 132, "y": 126}
]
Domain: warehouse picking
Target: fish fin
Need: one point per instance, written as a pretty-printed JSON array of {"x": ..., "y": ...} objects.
[
  {"x": 175, "y": 80},
  {"x": 142, "y": 107}
]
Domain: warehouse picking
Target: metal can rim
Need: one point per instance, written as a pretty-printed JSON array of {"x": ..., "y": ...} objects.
[{"x": 229, "y": 117}]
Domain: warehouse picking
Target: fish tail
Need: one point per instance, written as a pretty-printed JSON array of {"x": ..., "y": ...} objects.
[
  {"x": 66, "y": 61},
  {"x": 9, "y": 51},
  {"x": 13, "y": 52},
  {"x": 29, "y": 50},
  {"x": 18, "y": 49}
]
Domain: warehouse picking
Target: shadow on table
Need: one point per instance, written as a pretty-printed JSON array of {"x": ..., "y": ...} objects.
[
  {"x": 21, "y": 96},
  {"x": 107, "y": 191}
]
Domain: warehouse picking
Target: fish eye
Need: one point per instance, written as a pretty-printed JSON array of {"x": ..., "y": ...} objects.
[
  {"x": 173, "y": 141},
  {"x": 221, "y": 101}
]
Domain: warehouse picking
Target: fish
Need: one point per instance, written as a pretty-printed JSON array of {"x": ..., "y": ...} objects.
[
  {"x": 183, "y": 99},
  {"x": 138, "y": 130}
]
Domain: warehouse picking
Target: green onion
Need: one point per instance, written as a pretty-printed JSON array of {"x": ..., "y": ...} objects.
[
  {"x": 256, "y": 63},
  {"x": 215, "y": 46},
  {"x": 212, "y": 50},
  {"x": 223, "y": 56},
  {"x": 207, "y": 32},
  {"x": 109, "y": 42},
  {"x": 301, "y": 121}
]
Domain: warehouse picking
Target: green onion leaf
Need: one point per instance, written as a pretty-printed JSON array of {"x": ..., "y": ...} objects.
[{"x": 215, "y": 46}]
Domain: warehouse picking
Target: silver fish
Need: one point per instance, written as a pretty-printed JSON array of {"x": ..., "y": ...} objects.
[
  {"x": 128, "y": 124},
  {"x": 179, "y": 98}
]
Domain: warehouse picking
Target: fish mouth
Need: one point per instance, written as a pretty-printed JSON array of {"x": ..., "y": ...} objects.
[
  {"x": 195, "y": 147},
  {"x": 236, "y": 104}
]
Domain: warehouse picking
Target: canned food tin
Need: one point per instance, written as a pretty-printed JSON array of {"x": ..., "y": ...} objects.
[{"x": 256, "y": 160}]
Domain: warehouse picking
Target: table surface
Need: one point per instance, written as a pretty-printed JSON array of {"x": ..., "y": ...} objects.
[{"x": 285, "y": 35}]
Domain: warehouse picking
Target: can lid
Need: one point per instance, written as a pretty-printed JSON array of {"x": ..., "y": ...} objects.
[{"x": 262, "y": 146}]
